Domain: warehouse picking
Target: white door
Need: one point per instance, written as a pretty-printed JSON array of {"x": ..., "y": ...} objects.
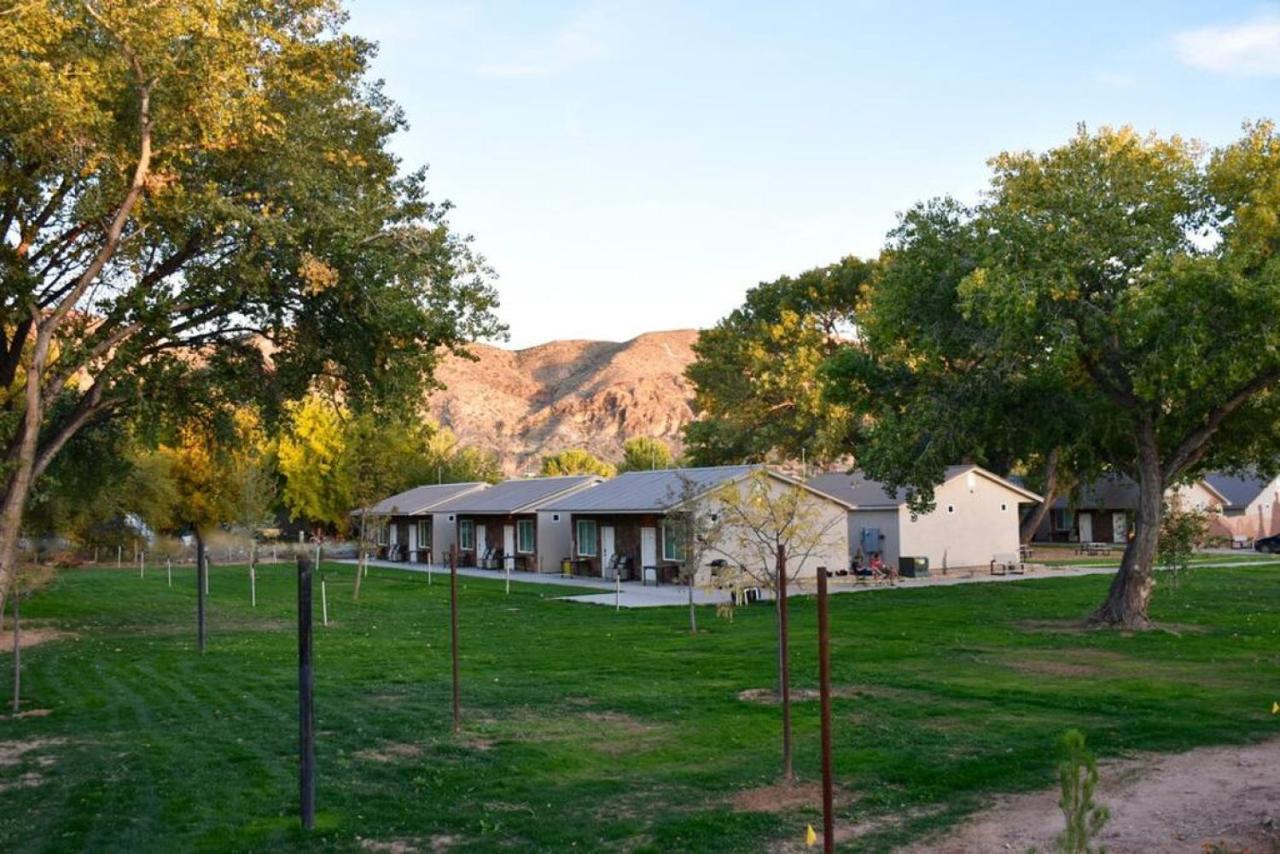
[
  {"x": 648, "y": 547},
  {"x": 509, "y": 546},
  {"x": 606, "y": 551},
  {"x": 481, "y": 545},
  {"x": 1119, "y": 528},
  {"x": 1086, "y": 527}
]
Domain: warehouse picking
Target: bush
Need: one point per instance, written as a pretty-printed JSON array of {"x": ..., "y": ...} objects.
[{"x": 1078, "y": 776}]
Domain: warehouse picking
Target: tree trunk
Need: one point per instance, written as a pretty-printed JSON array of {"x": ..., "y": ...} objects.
[
  {"x": 1130, "y": 594},
  {"x": 1034, "y": 519},
  {"x": 201, "y": 569},
  {"x": 784, "y": 669},
  {"x": 23, "y": 461},
  {"x": 355, "y": 590},
  {"x": 693, "y": 613}
]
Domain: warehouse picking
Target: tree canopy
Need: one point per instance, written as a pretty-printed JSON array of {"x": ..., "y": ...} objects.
[
  {"x": 575, "y": 461},
  {"x": 756, "y": 375},
  {"x": 645, "y": 453},
  {"x": 1135, "y": 279},
  {"x": 190, "y": 192}
]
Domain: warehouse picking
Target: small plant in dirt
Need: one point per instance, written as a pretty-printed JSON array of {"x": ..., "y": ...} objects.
[
  {"x": 1078, "y": 775},
  {"x": 1182, "y": 531}
]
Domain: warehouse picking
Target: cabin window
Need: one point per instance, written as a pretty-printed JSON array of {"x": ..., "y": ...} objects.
[
  {"x": 1004, "y": 507},
  {"x": 424, "y": 534},
  {"x": 524, "y": 536},
  {"x": 467, "y": 534},
  {"x": 951, "y": 508},
  {"x": 671, "y": 543},
  {"x": 588, "y": 546},
  {"x": 555, "y": 517}
]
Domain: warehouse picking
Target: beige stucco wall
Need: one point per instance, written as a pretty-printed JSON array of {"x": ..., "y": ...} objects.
[
  {"x": 553, "y": 540},
  {"x": 965, "y": 528},
  {"x": 1260, "y": 519},
  {"x": 829, "y": 522}
]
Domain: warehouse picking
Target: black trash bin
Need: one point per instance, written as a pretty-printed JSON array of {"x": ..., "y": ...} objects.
[{"x": 913, "y": 567}]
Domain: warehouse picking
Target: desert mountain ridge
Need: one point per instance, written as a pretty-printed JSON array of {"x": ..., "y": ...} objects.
[{"x": 523, "y": 404}]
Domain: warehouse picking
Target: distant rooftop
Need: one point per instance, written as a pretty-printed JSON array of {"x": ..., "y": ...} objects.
[
  {"x": 523, "y": 495},
  {"x": 422, "y": 498},
  {"x": 860, "y": 491},
  {"x": 1238, "y": 489},
  {"x": 647, "y": 491}
]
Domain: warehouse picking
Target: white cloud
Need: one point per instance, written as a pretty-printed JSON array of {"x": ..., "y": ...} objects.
[{"x": 1249, "y": 49}]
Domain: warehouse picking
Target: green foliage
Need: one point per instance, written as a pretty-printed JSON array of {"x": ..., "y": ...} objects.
[
  {"x": 1182, "y": 532},
  {"x": 758, "y": 390},
  {"x": 333, "y": 460},
  {"x": 1078, "y": 777},
  {"x": 575, "y": 461},
  {"x": 644, "y": 453}
]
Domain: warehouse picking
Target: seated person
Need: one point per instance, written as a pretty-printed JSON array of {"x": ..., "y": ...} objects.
[{"x": 880, "y": 569}]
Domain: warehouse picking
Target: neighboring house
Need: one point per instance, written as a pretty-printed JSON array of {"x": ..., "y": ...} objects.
[
  {"x": 506, "y": 525},
  {"x": 1103, "y": 512},
  {"x": 975, "y": 518},
  {"x": 626, "y": 522},
  {"x": 1250, "y": 507},
  {"x": 413, "y": 531}
]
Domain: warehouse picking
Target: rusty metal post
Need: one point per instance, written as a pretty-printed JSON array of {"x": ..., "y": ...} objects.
[
  {"x": 453, "y": 636},
  {"x": 784, "y": 666},
  {"x": 824, "y": 689}
]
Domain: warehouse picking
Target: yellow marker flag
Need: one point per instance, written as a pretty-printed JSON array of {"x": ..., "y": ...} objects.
[
  {"x": 810, "y": 838},
  {"x": 1275, "y": 708}
]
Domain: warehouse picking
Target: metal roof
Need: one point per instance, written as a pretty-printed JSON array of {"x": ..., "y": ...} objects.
[
  {"x": 1239, "y": 490},
  {"x": 862, "y": 492},
  {"x": 648, "y": 491},
  {"x": 523, "y": 495},
  {"x": 411, "y": 502}
]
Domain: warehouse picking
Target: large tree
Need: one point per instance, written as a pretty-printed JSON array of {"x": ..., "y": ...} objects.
[
  {"x": 757, "y": 384},
  {"x": 188, "y": 188},
  {"x": 575, "y": 461},
  {"x": 1142, "y": 274}
]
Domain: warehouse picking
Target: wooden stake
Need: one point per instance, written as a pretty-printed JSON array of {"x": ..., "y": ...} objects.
[
  {"x": 508, "y": 579},
  {"x": 142, "y": 564},
  {"x": 306, "y": 701},
  {"x": 324, "y": 602},
  {"x": 168, "y": 569},
  {"x": 453, "y": 636},
  {"x": 824, "y": 690},
  {"x": 253, "y": 587},
  {"x": 617, "y": 591},
  {"x": 119, "y": 556},
  {"x": 207, "y": 567}
]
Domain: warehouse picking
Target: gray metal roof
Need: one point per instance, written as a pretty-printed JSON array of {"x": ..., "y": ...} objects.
[
  {"x": 860, "y": 491},
  {"x": 1238, "y": 489},
  {"x": 515, "y": 496},
  {"x": 647, "y": 491},
  {"x": 411, "y": 502}
]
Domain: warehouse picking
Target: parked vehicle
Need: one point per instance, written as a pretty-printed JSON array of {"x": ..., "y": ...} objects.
[{"x": 1270, "y": 545}]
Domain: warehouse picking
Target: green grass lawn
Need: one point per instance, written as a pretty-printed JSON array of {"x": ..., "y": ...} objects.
[
  {"x": 586, "y": 728},
  {"x": 1067, "y": 556}
]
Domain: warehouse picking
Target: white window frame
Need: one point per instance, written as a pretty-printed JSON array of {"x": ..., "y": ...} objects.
[
  {"x": 425, "y": 534},
  {"x": 670, "y": 555},
  {"x": 521, "y": 526},
  {"x": 467, "y": 534},
  {"x": 595, "y": 537}
]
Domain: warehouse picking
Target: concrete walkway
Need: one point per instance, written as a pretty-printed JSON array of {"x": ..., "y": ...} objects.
[{"x": 631, "y": 594}]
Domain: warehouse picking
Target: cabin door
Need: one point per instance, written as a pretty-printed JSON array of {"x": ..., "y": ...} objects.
[
  {"x": 607, "y": 551},
  {"x": 509, "y": 546},
  {"x": 648, "y": 548},
  {"x": 1119, "y": 528},
  {"x": 1086, "y": 527},
  {"x": 482, "y": 544}
]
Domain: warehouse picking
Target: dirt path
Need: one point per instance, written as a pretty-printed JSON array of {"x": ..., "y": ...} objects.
[{"x": 1173, "y": 803}]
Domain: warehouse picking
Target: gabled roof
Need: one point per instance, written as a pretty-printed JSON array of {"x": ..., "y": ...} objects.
[
  {"x": 523, "y": 495},
  {"x": 420, "y": 499},
  {"x": 863, "y": 493},
  {"x": 1118, "y": 492},
  {"x": 1238, "y": 490},
  {"x": 661, "y": 490}
]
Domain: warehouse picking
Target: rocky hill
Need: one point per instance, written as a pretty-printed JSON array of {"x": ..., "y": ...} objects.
[{"x": 522, "y": 404}]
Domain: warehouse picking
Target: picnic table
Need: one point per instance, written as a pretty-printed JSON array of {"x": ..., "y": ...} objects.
[{"x": 1094, "y": 549}]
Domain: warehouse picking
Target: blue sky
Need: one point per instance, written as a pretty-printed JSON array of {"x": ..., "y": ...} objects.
[{"x": 629, "y": 167}]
